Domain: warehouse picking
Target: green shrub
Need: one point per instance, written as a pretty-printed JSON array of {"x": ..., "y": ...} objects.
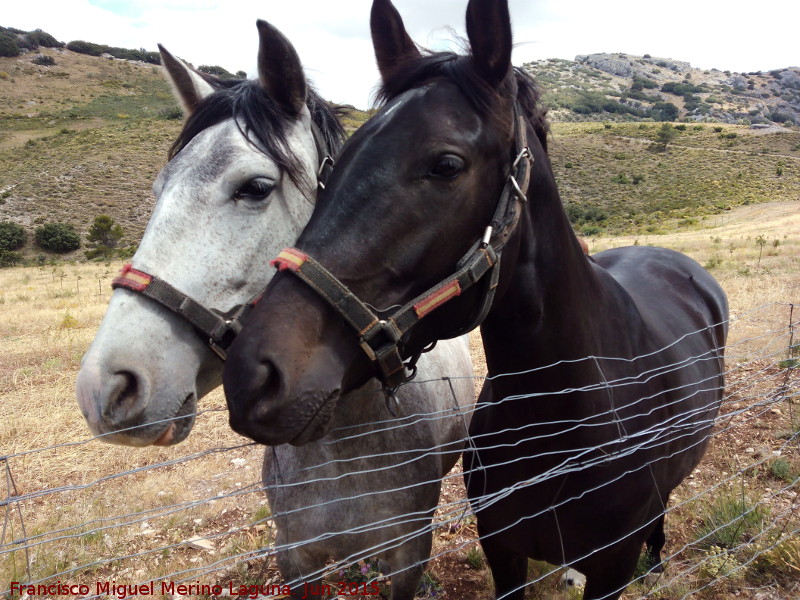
[
  {"x": 42, "y": 38},
  {"x": 579, "y": 214},
  {"x": 621, "y": 178},
  {"x": 680, "y": 89},
  {"x": 57, "y": 237},
  {"x": 665, "y": 135},
  {"x": 665, "y": 111},
  {"x": 172, "y": 113},
  {"x": 82, "y": 47},
  {"x": 217, "y": 71},
  {"x": 12, "y": 236},
  {"x": 731, "y": 519},
  {"x": 45, "y": 61},
  {"x": 782, "y": 469},
  {"x": 8, "y": 45},
  {"x": 9, "y": 259}
]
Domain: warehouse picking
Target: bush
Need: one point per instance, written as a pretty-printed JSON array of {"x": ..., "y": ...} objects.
[
  {"x": 82, "y": 47},
  {"x": 12, "y": 236},
  {"x": 665, "y": 111},
  {"x": 9, "y": 259},
  {"x": 579, "y": 214},
  {"x": 666, "y": 134},
  {"x": 217, "y": 71},
  {"x": 42, "y": 38},
  {"x": 57, "y": 237},
  {"x": 8, "y": 45},
  {"x": 681, "y": 89},
  {"x": 45, "y": 61},
  {"x": 172, "y": 113}
]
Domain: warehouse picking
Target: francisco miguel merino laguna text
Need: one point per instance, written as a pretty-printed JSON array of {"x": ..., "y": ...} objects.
[{"x": 122, "y": 591}]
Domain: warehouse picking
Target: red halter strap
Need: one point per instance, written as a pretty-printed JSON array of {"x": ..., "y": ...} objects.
[
  {"x": 380, "y": 338},
  {"x": 220, "y": 329}
]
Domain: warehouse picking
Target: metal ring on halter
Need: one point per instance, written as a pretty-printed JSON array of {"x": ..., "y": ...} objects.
[
  {"x": 524, "y": 153},
  {"x": 327, "y": 161},
  {"x": 517, "y": 190}
]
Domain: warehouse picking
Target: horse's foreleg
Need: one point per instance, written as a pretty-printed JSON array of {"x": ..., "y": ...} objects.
[
  {"x": 509, "y": 570},
  {"x": 410, "y": 559},
  {"x": 610, "y": 573},
  {"x": 655, "y": 543}
]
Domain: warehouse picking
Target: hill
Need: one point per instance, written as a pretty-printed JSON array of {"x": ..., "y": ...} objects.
[
  {"x": 625, "y": 87},
  {"x": 616, "y": 178},
  {"x": 86, "y": 135}
]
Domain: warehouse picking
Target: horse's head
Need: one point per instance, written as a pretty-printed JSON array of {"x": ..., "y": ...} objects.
[
  {"x": 239, "y": 185},
  {"x": 413, "y": 193}
]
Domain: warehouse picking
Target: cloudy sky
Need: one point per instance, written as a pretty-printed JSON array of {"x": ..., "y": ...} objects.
[{"x": 332, "y": 36}]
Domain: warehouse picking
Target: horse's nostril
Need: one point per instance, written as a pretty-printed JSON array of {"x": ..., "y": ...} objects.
[
  {"x": 265, "y": 385},
  {"x": 125, "y": 395},
  {"x": 270, "y": 379}
]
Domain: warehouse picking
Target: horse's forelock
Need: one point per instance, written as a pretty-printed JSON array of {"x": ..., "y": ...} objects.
[
  {"x": 261, "y": 122},
  {"x": 417, "y": 71}
]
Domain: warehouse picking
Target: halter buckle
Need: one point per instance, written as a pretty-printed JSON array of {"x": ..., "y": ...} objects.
[
  {"x": 327, "y": 162},
  {"x": 223, "y": 337},
  {"x": 381, "y": 345}
]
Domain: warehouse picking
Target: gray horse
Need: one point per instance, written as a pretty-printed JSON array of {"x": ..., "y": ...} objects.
[{"x": 239, "y": 186}]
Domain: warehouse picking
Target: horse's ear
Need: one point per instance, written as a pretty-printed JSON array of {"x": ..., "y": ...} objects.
[
  {"x": 489, "y": 33},
  {"x": 189, "y": 86},
  {"x": 279, "y": 69},
  {"x": 392, "y": 43}
]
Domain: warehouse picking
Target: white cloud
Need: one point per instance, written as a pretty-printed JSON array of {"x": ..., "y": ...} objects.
[{"x": 332, "y": 38}]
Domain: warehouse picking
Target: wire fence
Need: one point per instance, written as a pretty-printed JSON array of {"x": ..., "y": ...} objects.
[{"x": 199, "y": 525}]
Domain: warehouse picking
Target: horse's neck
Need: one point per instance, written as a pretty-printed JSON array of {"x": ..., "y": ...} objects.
[{"x": 551, "y": 285}]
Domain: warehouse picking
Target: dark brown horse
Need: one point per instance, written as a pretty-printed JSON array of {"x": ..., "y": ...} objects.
[{"x": 605, "y": 371}]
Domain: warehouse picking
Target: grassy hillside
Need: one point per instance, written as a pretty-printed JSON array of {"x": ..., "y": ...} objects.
[
  {"x": 84, "y": 137},
  {"x": 615, "y": 178},
  {"x": 87, "y": 136}
]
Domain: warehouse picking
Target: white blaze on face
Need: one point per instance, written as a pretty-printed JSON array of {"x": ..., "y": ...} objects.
[{"x": 145, "y": 362}]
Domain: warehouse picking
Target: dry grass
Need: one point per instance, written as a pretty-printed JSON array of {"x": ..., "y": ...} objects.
[
  {"x": 50, "y": 315},
  {"x": 48, "y": 323}
]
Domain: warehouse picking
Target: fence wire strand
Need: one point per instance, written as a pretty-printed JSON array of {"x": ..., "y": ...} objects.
[{"x": 761, "y": 383}]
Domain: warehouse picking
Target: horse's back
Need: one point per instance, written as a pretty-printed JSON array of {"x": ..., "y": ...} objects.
[
  {"x": 685, "y": 316},
  {"x": 674, "y": 295}
]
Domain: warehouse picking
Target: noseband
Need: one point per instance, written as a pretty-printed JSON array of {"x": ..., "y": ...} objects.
[
  {"x": 380, "y": 338},
  {"x": 217, "y": 327}
]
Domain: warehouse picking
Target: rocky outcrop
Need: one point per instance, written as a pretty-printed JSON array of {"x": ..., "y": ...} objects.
[{"x": 624, "y": 65}]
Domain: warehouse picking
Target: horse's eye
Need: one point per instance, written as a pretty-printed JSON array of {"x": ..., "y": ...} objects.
[
  {"x": 447, "y": 167},
  {"x": 258, "y": 188}
]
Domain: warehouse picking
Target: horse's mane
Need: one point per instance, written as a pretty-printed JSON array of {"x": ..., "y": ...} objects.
[
  {"x": 261, "y": 122},
  {"x": 459, "y": 69}
]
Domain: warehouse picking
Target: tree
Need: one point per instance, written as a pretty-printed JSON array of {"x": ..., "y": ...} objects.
[
  {"x": 12, "y": 236},
  {"x": 665, "y": 111},
  {"x": 57, "y": 237},
  {"x": 103, "y": 237},
  {"x": 761, "y": 241},
  {"x": 665, "y": 136}
]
